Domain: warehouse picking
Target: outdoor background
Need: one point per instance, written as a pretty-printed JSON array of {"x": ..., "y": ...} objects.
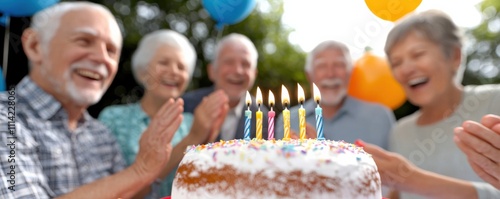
[{"x": 281, "y": 54}]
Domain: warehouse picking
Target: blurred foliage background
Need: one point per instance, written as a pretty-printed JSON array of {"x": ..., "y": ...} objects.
[
  {"x": 279, "y": 61},
  {"x": 483, "y": 55}
]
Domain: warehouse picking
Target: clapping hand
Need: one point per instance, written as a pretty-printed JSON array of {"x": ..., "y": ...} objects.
[
  {"x": 155, "y": 147},
  {"x": 209, "y": 116},
  {"x": 481, "y": 143}
]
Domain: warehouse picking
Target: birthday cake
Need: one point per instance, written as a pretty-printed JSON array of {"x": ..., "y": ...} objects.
[{"x": 277, "y": 169}]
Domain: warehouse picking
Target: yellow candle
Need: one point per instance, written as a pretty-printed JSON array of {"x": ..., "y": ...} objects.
[
  {"x": 258, "y": 115},
  {"x": 286, "y": 124},
  {"x": 285, "y": 100},
  {"x": 302, "y": 113}
]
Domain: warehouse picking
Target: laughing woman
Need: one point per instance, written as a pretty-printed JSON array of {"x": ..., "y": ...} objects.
[
  {"x": 425, "y": 54},
  {"x": 163, "y": 64}
]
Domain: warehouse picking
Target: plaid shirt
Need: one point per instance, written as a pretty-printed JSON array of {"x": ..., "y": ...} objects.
[{"x": 47, "y": 158}]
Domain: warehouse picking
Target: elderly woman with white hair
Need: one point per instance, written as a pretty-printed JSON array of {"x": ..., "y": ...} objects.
[
  {"x": 163, "y": 64},
  {"x": 424, "y": 51}
]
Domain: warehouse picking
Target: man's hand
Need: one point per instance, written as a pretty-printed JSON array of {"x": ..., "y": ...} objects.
[
  {"x": 155, "y": 146},
  {"x": 481, "y": 143},
  {"x": 209, "y": 116},
  {"x": 310, "y": 132}
]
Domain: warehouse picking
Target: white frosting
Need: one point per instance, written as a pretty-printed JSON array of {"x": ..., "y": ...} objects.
[{"x": 329, "y": 159}]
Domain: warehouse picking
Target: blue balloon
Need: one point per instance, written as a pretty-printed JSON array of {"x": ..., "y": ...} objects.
[
  {"x": 227, "y": 12},
  {"x": 24, "y": 8},
  {"x": 3, "y": 20}
]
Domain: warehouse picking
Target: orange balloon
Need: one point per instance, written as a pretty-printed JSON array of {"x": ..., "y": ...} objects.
[
  {"x": 392, "y": 10},
  {"x": 372, "y": 80}
]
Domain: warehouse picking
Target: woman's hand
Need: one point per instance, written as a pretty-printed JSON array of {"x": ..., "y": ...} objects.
[
  {"x": 395, "y": 171},
  {"x": 481, "y": 143}
]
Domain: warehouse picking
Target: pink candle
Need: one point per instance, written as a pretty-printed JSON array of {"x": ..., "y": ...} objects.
[
  {"x": 270, "y": 118},
  {"x": 270, "y": 127}
]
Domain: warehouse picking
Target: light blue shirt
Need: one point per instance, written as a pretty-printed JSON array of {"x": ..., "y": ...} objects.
[
  {"x": 128, "y": 122},
  {"x": 356, "y": 119}
]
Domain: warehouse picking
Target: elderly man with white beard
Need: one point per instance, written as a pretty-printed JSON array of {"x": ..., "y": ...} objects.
[
  {"x": 346, "y": 118},
  {"x": 52, "y": 147}
]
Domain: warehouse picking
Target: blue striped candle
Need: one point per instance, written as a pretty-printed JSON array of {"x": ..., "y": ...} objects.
[
  {"x": 248, "y": 121},
  {"x": 248, "y": 118},
  {"x": 319, "y": 123},
  {"x": 319, "y": 114}
]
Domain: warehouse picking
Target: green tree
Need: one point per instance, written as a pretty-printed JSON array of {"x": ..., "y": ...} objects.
[
  {"x": 279, "y": 61},
  {"x": 483, "y": 59}
]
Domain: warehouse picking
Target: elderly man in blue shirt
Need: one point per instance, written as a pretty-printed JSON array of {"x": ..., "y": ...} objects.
[{"x": 329, "y": 66}]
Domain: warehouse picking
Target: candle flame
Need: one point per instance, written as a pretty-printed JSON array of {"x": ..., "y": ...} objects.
[
  {"x": 317, "y": 94},
  {"x": 248, "y": 99},
  {"x": 285, "y": 98},
  {"x": 300, "y": 94},
  {"x": 258, "y": 98},
  {"x": 271, "y": 99}
]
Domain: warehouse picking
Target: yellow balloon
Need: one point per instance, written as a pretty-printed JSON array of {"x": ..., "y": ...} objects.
[{"x": 392, "y": 10}]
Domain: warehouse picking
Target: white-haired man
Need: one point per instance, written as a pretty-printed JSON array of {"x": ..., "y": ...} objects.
[
  {"x": 56, "y": 148},
  {"x": 329, "y": 66},
  {"x": 233, "y": 70}
]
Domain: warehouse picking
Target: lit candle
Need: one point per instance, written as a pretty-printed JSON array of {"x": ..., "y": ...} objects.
[
  {"x": 270, "y": 119},
  {"x": 319, "y": 114},
  {"x": 248, "y": 117},
  {"x": 302, "y": 113},
  {"x": 285, "y": 101},
  {"x": 258, "y": 116}
]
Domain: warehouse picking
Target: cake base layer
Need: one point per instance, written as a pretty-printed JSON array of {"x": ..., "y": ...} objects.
[{"x": 265, "y": 169}]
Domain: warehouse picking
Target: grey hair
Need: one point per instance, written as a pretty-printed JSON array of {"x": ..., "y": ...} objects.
[
  {"x": 47, "y": 21},
  {"x": 152, "y": 41},
  {"x": 433, "y": 25},
  {"x": 328, "y": 45},
  {"x": 236, "y": 38}
]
